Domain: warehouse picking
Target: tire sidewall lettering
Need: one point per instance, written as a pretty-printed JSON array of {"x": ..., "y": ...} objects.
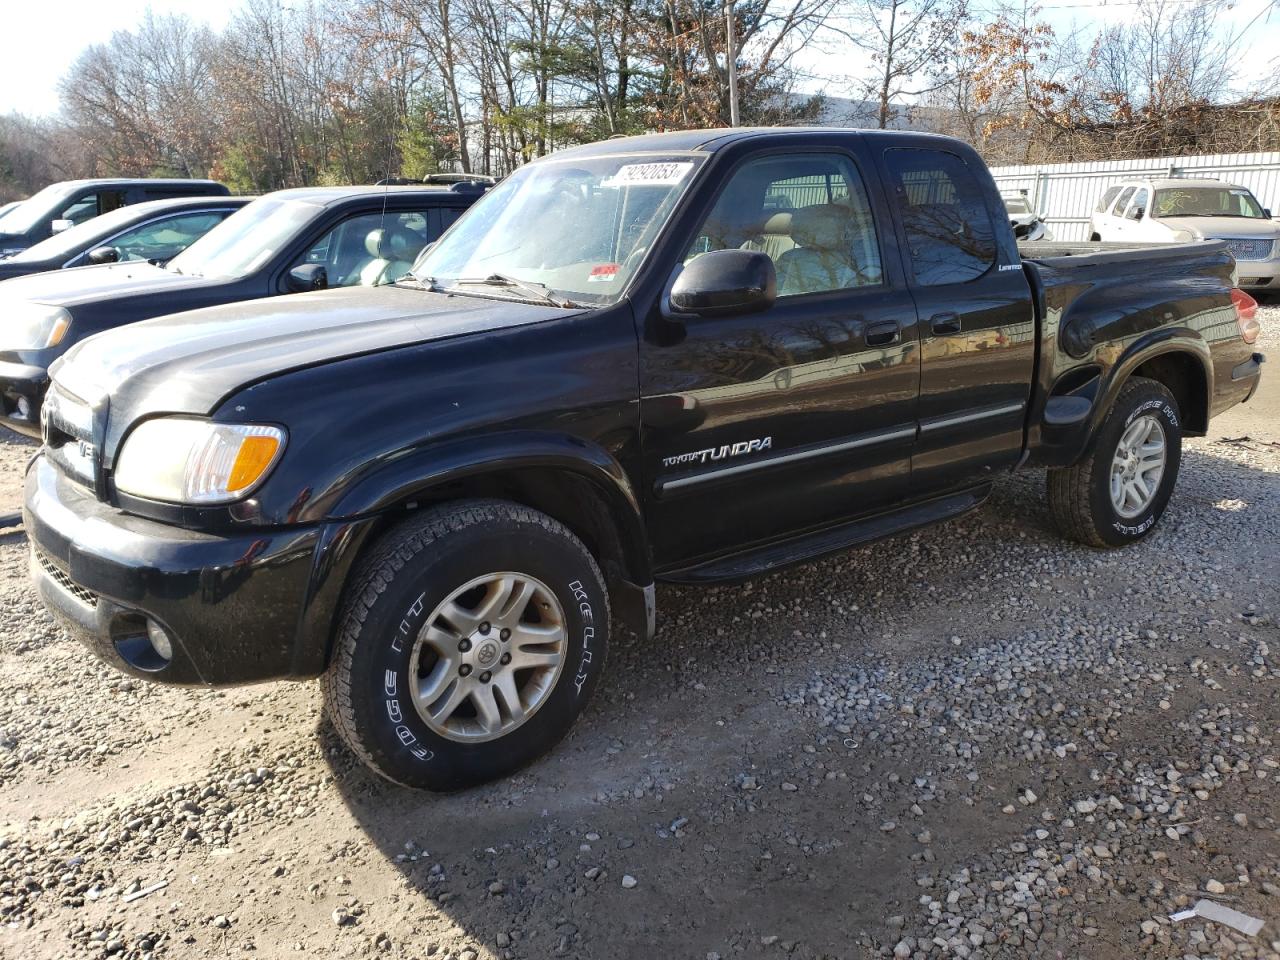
[
  {"x": 1129, "y": 529},
  {"x": 401, "y": 714},
  {"x": 588, "y": 634}
]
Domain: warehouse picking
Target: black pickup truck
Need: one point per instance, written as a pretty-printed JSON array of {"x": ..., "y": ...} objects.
[{"x": 689, "y": 357}]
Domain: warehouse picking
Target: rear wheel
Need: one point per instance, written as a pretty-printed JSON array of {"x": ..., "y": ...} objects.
[
  {"x": 472, "y": 638},
  {"x": 1118, "y": 492}
]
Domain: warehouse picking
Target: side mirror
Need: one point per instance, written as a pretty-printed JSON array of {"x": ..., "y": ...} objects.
[
  {"x": 1135, "y": 213},
  {"x": 104, "y": 255},
  {"x": 725, "y": 282},
  {"x": 309, "y": 276},
  {"x": 59, "y": 225},
  {"x": 1266, "y": 212}
]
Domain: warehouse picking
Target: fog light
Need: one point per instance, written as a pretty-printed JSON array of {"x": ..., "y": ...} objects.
[
  {"x": 160, "y": 640},
  {"x": 24, "y": 408}
]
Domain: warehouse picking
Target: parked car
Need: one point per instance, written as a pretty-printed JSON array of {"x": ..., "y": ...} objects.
[
  {"x": 1025, "y": 220},
  {"x": 622, "y": 366},
  {"x": 155, "y": 231},
  {"x": 61, "y": 206},
  {"x": 1179, "y": 209},
  {"x": 285, "y": 242}
]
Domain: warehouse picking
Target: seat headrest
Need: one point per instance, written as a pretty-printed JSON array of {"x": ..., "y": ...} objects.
[
  {"x": 825, "y": 227},
  {"x": 779, "y": 223},
  {"x": 388, "y": 244}
]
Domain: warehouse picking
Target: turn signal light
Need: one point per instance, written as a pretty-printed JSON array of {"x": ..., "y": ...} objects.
[
  {"x": 1246, "y": 315},
  {"x": 256, "y": 454}
]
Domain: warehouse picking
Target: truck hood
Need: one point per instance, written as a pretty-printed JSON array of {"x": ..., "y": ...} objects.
[
  {"x": 188, "y": 362},
  {"x": 79, "y": 285},
  {"x": 1214, "y": 228}
]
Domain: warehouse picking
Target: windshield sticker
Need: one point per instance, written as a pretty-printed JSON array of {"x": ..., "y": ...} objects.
[
  {"x": 649, "y": 175},
  {"x": 604, "y": 273}
]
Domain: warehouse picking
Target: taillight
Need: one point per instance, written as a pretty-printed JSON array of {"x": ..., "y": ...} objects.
[{"x": 1246, "y": 315}]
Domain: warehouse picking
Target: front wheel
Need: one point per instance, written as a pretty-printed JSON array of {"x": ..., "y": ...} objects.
[
  {"x": 471, "y": 639},
  {"x": 1118, "y": 492}
]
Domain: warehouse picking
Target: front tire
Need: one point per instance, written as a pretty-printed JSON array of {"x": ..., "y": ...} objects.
[
  {"x": 472, "y": 637},
  {"x": 1117, "y": 494}
]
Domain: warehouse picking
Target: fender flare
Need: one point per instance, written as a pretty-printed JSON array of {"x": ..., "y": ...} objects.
[
  {"x": 401, "y": 478},
  {"x": 1154, "y": 344}
]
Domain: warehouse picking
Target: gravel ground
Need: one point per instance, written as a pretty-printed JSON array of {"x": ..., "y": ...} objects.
[{"x": 978, "y": 741}]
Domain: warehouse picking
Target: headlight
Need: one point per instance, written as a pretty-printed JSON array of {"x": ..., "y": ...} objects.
[
  {"x": 184, "y": 460},
  {"x": 32, "y": 326}
]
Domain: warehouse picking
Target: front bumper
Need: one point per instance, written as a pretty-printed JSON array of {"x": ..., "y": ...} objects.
[
  {"x": 22, "y": 389},
  {"x": 233, "y": 606},
  {"x": 1258, "y": 274}
]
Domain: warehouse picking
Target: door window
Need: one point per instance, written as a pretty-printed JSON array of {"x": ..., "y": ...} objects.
[
  {"x": 1123, "y": 201},
  {"x": 371, "y": 248},
  {"x": 809, "y": 213},
  {"x": 1138, "y": 203},
  {"x": 165, "y": 239},
  {"x": 95, "y": 204},
  {"x": 950, "y": 236}
]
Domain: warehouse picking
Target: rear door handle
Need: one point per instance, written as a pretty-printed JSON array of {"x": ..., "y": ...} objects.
[
  {"x": 943, "y": 323},
  {"x": 883, "y": 334}
]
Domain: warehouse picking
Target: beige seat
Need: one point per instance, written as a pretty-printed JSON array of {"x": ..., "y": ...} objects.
[
  {"x": 774, "y": 237},
  {"x": 822, "y": 258},
  {"x": 392, "y": 252}
]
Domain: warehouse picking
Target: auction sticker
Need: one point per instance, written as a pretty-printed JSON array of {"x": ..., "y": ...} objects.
[
  {"x": 650, "y": 174},
  {"x": 603, "y": 273}
]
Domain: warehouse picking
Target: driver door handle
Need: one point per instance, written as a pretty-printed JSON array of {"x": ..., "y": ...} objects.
[{"x": 944, "y": 323}]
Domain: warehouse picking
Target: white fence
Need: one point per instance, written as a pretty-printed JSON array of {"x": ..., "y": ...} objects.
[{"x": 1066, "y": 193}]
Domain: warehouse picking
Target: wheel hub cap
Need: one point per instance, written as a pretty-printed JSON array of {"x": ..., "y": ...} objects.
[
  {"x": 488, "y": 657},
  {"x": 1138, "y": 466}
]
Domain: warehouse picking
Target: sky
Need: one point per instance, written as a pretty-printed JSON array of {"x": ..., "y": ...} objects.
[{"x": 43, "y": 40}]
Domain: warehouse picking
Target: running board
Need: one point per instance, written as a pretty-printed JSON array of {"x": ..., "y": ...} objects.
[{"x": 820, "y": 543}]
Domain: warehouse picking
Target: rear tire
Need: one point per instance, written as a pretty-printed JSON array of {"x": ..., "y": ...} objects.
[
  {"x": 471, "y": 638},
  {"x": 1118, "y": 492}
]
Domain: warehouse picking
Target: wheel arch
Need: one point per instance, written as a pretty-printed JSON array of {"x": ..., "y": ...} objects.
[
  {"x": 574, "y": 481},
  {"x": 1177, "y": 359}
]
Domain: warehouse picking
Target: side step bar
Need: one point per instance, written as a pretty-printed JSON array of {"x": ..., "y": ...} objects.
[{"x": 820, "y": 543}]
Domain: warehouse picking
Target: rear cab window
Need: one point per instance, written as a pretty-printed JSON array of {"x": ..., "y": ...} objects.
[
  {"x": 1108, "y": 198},
  {"x": 1125, "y": 194},
  {"x": 949, "y": 232}
]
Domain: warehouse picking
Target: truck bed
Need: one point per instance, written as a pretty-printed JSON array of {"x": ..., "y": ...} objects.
[{"x": 1056, "y": 252}]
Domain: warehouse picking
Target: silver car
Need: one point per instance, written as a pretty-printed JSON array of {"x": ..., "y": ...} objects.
[{"x": 1181, "y": 209}]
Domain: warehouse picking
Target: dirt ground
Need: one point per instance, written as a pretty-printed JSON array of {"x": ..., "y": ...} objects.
[{"x": 977, "y": 741}]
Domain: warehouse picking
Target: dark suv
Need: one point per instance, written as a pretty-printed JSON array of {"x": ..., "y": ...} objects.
[
  {"x": 61, "y": 206},
  {"x": 286, "y": 242}
]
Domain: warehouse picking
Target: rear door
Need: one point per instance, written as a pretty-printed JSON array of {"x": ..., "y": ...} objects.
[
  {"x": 978, "y": 331},
  {"x": 759, "y": 426}
]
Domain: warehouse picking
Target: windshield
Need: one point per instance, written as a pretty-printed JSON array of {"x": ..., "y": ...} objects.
[
  {"x": 246, "y": 240},
  {"x": 1207, "y": 202},
  {"x": 35, "y": 210},
  {"x": 75, "y": 239},
  {"x": 575, "y": 229}
]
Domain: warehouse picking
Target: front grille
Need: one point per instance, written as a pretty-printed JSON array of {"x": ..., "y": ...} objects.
[
  {"x": 1250, "y": 249},
  {"x": 66, "y": 425},
  {"x": 59, "y": 576}
]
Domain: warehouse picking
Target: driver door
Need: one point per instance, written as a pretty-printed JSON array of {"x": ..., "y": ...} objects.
[{"x": 756, "y": 427}]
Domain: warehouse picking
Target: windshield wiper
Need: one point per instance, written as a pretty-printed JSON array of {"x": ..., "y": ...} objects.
[{"x": 537, "y": 290}]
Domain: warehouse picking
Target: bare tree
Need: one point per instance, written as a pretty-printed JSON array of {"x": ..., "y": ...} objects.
[{"x": 908, "y": 40}]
